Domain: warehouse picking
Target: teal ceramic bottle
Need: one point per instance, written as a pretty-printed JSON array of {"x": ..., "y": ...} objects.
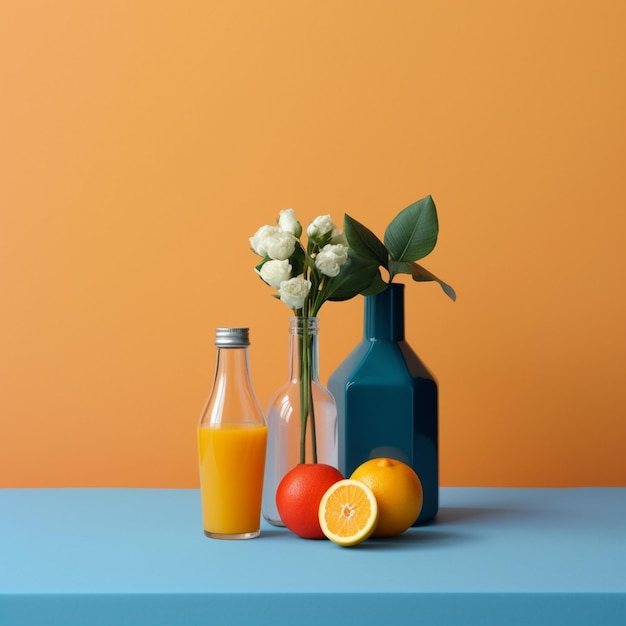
[{"x": 387, "y": 400}]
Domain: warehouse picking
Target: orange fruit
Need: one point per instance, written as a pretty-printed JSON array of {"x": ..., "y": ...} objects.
[
  {"x": 348, "y": 512},
  {"x": 299, "y": 494},
  {"x": 398, "y": 492}
]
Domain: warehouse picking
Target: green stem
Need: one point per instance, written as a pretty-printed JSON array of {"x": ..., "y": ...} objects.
[
  {"x": 312, "y": 415},
  {"x": 318, "y": 298},
  {"x": 303, "y": 411},
  {"x": 307, "y": 410},
  {"x": 309, "y": 385}
]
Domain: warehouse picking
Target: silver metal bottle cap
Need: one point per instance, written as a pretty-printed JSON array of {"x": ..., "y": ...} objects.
[{"x": 232, "y": 337}]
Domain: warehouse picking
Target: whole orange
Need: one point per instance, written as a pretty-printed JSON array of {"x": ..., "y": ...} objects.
[
  {"x": 398, "y": 492},
  {"x": 299, "y": 495}
]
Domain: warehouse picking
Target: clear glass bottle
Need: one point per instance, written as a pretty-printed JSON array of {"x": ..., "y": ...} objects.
[
  {"x": 284, "y": 450},
  {"x": 232, "y": 441}
]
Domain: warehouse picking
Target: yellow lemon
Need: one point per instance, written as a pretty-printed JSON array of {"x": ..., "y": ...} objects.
[{"x": 398, "y": 492}]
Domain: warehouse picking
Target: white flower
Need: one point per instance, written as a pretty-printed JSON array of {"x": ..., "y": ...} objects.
[
  {"x": 330, "y": 259},
  {"x": 287, "y": 221},
  {"x": 294, "y": 291},
  {"x": 280, "y": 245},
  {"x": 258, "y": 241},
  {"x": 321, "y": 229},
  {"x": 275, "y": 272},
  {"x": 273, "y": 242}
]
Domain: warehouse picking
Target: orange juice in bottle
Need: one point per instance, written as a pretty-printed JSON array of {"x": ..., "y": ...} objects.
[
  {"x": 232, "y": 458},
  {"x": 232, "y": 439}
]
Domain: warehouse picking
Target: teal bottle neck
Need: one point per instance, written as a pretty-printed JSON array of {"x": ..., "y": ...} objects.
[{"x": 384, "y": 315}]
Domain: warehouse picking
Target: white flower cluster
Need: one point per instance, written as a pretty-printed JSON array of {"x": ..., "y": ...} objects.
[{"x": 327, "y": 249}]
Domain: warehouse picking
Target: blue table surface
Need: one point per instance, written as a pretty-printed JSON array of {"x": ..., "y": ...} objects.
[{"x": 488, "y": 547}]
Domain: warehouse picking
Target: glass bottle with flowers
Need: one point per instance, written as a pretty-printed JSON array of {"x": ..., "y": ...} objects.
[{"x": 302, "y": 415}]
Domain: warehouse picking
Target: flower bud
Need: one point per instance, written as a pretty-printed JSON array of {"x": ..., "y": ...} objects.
[{"x": 287, "y": 221}]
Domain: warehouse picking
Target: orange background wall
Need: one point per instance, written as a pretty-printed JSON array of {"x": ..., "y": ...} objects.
[{"x": 142, "y": 143}]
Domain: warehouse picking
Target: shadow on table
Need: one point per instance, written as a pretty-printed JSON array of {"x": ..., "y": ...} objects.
[
  {"x": 275, "y": 532},
  {"x": 453, "y": 525},
  {"x": 458, "y": 514},
  {"x": 415, "y": 537}
]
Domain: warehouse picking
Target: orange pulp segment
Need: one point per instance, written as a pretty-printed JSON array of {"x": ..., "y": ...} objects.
[{"x": 348, "y": 512}]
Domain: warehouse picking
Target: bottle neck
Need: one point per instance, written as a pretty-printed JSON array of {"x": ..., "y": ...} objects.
[
  {"x": 232, "y": 397},
  {"x": 233, "y": 361},
  {"x": 384, "y": 315},
  {"x": 297, "y": 348},
  {"x": 232, "y": 373}
]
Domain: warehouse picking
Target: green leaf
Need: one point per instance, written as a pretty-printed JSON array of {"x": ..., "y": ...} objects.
[
  {"x": 378, "y": 285},
  {"x": 356, "y": 275},
  {"x": 412, "y": 234},
  {"x": 297, "y": 260},
  {"x": 364, "y": 242},
  {"x": 400, "y": 267},
  {"x": 421, "y": 274}
]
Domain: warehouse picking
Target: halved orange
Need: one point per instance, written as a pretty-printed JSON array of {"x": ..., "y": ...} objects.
[{"x": 348, "y": 512}]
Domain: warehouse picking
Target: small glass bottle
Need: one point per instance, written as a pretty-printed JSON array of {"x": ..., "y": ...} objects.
[
  {"x": 232, "y": 440},
  {"x": 285, "y": 446}
]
